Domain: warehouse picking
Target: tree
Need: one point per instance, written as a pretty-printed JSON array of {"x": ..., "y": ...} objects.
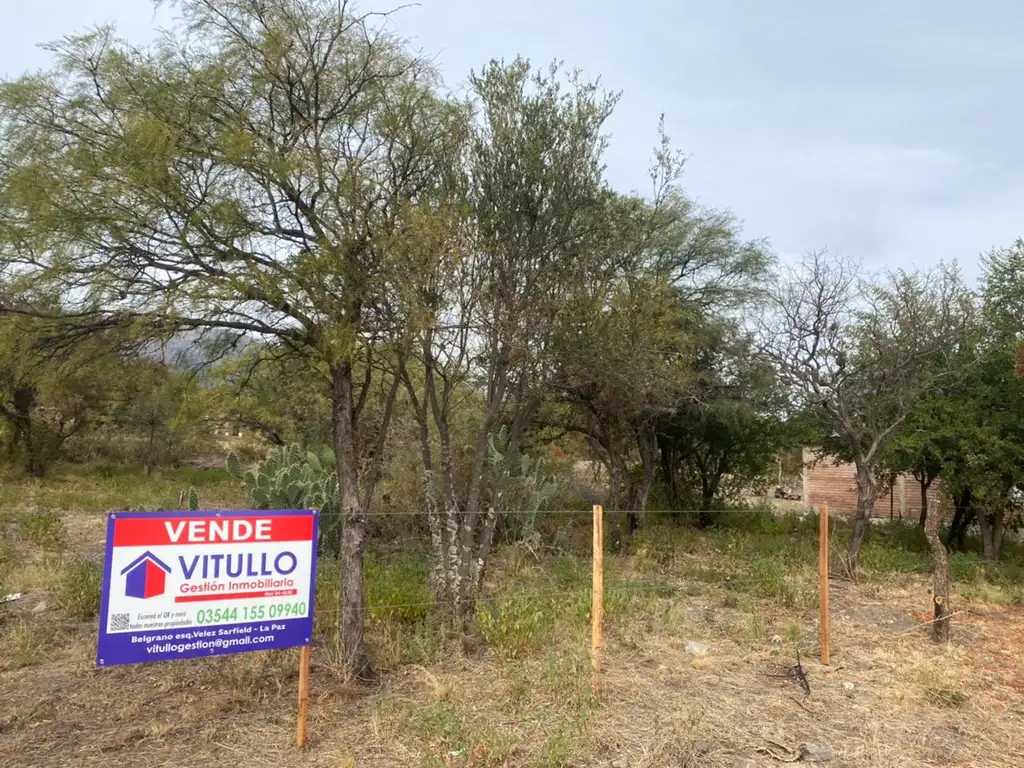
[
  {"x": 54, "y": 385},
  {"x": 282, "y": 397},
  {"x": 251, "y": 171},
  {"x": 984, "y": 450},
  {"x": 622, "y": 368},
  {"x": 162, "y": 412},
  {"x": 492, "y": 277},
  {"x": 633, "y": 329},
  {"x": 863, "y": 354},
  {"x": 918, "y": 448},
  {"x": 731, "y": 430}
]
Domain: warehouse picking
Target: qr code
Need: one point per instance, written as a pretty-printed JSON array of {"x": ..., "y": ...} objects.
[{"x": 120, "y": 621}]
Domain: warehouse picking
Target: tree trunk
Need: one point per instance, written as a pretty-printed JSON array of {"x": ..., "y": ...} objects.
[
  {"x": 24, "y": 400},
  {"x": 438, "y": 550},
  {"x": 353, "y": 534},
  {"x": 940, "y": 575},
  {"x": 706, "y": 515},
  {"x": 962, "y": 518},
  {"x": 925, "y": 482},
  {"x": 991, "y": 534},
  {"x": 151, "y": 449},
  {"x": 867, "y": 494},
  {"x": 671, "y": 476},
  {"x": 615, "y": 474},
  {"x": 648, "y": 447}
]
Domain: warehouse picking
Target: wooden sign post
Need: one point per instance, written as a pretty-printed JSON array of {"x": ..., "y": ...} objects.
[{"x": 300, "y": 736}]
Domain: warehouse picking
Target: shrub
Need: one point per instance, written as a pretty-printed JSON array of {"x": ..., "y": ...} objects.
[
  {"x": 78, "y": 588},
  {"x": 772, "y": 581},
  {"x": 964, "y": 566}
]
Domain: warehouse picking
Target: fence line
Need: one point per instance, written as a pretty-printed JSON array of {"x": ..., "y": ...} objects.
[
  {"x": 424, "y": 513},
  {"x": 635, "y": 586}
]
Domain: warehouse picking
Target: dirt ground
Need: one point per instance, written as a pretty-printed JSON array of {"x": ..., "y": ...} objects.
[{"x": 889, "y": 698}]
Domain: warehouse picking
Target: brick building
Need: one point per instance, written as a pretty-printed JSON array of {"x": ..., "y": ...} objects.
[{"x": 829, "y": 481}]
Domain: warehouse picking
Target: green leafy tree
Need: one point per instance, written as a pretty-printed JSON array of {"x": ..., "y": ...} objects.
[
  {"x": 493, "y": 275},
  {"x": 282, "y": 397},
  {"x": 54, "y": 386},
  {"x": 983, "y": 439},
  {"x": 251, "y": 171},
  {"x": 158, "y": 412},
  {"x": 633, "y": 330},
  {"x": 726, "y": 437}
]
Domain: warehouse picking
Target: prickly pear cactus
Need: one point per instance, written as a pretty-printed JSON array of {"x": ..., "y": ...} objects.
[{"x": 291, "y": 478}]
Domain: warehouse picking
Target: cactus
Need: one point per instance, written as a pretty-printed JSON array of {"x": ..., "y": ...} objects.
[
  {"x": 193, "y": 499},
  {"x": 291, "y": 478}
]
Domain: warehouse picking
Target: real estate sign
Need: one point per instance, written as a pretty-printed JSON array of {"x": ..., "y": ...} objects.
[{"x": 178, "y": 585}]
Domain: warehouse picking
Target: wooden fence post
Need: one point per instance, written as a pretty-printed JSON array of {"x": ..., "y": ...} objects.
[
  {"x": 823, "y": 582},
  {"x": 300, "y": 736},
  {"x": 597, "y": 599}
]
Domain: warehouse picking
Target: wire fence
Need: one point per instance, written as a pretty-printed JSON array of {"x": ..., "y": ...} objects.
[
  {"x": 666, "y": 558},
  {"x": 544, "y": 560}
]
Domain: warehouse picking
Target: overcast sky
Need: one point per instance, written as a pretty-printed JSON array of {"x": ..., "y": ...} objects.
[{"x": 890, "y": 131}]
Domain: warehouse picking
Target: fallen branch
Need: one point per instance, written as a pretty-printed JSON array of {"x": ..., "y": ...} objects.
[{"x": 926, "y": 623}]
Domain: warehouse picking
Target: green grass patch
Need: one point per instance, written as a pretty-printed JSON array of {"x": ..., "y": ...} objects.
[
  {"x": 514, "y": 627},
  {"x": 42, "y": 528},
  {"x": 78, "y": 587},
  {"x": 397, "y": 586},
  {"x": 456, "y": 738},
  {"x": 105, "y": 488}
]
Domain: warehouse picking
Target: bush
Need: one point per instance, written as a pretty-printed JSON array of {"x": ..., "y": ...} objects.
[
  {"x": 78, "y": 588},
  {"x": 771, "y": 578}
]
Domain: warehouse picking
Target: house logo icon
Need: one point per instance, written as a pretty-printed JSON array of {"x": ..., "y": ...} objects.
[{"x": 145, "y": 577}]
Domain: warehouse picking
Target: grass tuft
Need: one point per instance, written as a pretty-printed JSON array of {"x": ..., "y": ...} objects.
[
  {"x": 512, "y": 627},
  {"x": 43, "y": 529},
  {"x": 78, "y": 587}
]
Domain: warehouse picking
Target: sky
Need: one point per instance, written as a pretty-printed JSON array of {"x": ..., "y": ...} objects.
[{"x": 890, "y": 132}]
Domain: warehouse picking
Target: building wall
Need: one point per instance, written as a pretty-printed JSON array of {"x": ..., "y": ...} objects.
[{"x": 828, "y": 481}]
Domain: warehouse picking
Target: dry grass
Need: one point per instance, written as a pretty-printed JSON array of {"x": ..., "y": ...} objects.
[{"x": 890, "y": 698}]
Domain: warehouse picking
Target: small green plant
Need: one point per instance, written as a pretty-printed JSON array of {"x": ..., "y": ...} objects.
[
  {"x": 396, "y": 587},
  {"x": 511, "y": 627},
  {"x": 189, "y": 499},
  {"x": 771, "y": 580},
  {"x": 946, "y": 697},
  {"x": 44, "y": 529},
  {"x": 755, "y": 626},
  {"x": 965, "y": 567},
  {"x": 794, "y": 632},
  {"x": 78, "y": 587}
]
